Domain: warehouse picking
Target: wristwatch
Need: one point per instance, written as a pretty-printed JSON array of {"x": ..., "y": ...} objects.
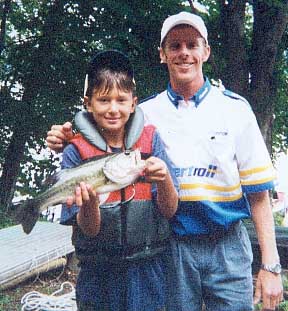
[{"x": 274, "y": 268}]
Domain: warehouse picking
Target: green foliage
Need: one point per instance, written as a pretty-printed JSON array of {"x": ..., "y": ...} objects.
[
  {"x": 49, "y": 43},
  {"x": 278, "y": 219},
  {"x": 280, "y": 126},
  {"x": 283, "y": 306},
  {"x": 285, "y": 282},
  {"x": 11, "y": 302},
  {"x": 5, "y": 300},
  {"x": 48, "y": 46},
  {"x": 6, "y": 221}
]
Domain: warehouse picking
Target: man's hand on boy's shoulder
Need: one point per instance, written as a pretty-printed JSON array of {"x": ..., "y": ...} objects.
[{"x": 58, "y": 136}]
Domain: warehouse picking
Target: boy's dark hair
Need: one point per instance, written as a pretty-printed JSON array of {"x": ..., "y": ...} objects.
[
  {"x": 105, "y": 79},
  {"x": 110, "y": 69}
]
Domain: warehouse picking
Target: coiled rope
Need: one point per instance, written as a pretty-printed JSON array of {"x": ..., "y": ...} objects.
[{"x": 35, "y": 301}]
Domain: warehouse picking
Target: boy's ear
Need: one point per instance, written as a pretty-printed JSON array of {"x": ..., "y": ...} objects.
[
  {"x": 86, "y": 102},
  {"x": 134, "y": 103}
]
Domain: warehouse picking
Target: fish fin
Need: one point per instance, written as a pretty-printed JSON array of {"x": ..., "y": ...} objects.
[
  {"x": 27, "y": 213},
  {"x": 55, "y": 177},
  {"x": 98, "y": 157},
  {"x": 50, "y": 180}
]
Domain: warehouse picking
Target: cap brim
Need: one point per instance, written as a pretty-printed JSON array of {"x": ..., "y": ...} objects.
[{"x": 183, "y": 22}]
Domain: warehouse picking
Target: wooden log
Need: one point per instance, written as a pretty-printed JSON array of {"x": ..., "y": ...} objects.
[
  {"x": 21, "y": 253},
  {"x": 55, "y": 264}
]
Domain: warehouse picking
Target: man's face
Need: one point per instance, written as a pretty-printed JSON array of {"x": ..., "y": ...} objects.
[{"x": 184, "y": 52}]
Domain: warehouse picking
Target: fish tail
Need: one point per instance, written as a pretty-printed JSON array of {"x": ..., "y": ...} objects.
[{"x": 27, "y": 214}]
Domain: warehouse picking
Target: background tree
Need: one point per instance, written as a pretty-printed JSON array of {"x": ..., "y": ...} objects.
[
  {"x": 49, "y": 42},
  {"x": 247, "y": 40}
]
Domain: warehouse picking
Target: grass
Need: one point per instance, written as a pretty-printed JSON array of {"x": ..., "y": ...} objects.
[
  {"x": 10, "y": 302},
  {"x": 5, "y": 300},
  {"x": 282, "y": 307}
]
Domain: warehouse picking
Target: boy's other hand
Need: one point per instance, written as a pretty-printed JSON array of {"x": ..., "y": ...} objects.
[
  {"x": 58, "y": 136},
  {"x": 156, "y": 170}
]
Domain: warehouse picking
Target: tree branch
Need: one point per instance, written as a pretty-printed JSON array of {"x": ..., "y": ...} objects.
[
  {"x": 6, "y": 9},
  {"x": 193, "y": 9}
]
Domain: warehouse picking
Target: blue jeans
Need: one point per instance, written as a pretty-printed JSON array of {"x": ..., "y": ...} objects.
[
  {"x": 130, "y": 286},
  {"x": 90, "y": 306},
  {"x": 213, "y": 270}
]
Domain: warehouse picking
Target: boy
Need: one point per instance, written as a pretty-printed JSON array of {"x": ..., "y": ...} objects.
[{"x": 120, "y": 243}]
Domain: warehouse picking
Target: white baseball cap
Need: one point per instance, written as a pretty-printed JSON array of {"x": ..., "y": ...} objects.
[{"x": 184, "y": 18}]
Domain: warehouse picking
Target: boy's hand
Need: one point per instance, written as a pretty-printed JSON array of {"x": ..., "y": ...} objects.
[
  {"x": 58, "y": 136},
  {"x": 167, "y": 197},
  {"x": 156, "y": 170},
  {"x": 88, "y": 217},
  {"x": 84, "y": 196}
]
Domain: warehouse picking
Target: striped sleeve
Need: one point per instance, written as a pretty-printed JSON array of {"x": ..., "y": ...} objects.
[{"x": 255, "y": 167}]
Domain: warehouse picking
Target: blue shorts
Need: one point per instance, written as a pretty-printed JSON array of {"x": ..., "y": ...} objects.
[
  {"x": 131, "y": 286},
  {"x": 213, "y": 270}
]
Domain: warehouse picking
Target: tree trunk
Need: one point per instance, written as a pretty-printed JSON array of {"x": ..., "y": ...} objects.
[
  {"x": 27, "y": 122},
  {"x": 6, "y": 7},
  {"x": 270, "y": 21},
  {"x": 253, "y": 77},
  {"x": 235, "y": 75},
  {"x": 14, "y": 155}
]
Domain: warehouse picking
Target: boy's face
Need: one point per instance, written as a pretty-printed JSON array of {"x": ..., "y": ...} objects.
[{"x": 111, "y": 111}]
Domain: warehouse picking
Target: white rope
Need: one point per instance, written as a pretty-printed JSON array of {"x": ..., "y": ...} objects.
[{"x": 35, "y": 301}]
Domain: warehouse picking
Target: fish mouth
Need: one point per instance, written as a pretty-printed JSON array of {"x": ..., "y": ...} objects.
[
  {"x": 127, "y": 174},
  {"x": 139, "y": 162}
]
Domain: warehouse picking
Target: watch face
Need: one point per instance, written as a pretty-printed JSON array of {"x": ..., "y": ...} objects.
[{"x": 277, "y": 268}]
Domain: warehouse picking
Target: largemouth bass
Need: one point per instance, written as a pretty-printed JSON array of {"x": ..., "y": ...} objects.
[{"x": 106, "y": 174}]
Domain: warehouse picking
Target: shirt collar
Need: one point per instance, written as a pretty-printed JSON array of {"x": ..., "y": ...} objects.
[{"x": 196, "y": 98}]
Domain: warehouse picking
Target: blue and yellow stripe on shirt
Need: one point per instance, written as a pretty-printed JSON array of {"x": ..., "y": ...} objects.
[{"x": 252, "y": 180}]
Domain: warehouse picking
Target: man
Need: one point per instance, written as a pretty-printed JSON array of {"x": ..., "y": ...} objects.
[{"x": 220, "y": 160}]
